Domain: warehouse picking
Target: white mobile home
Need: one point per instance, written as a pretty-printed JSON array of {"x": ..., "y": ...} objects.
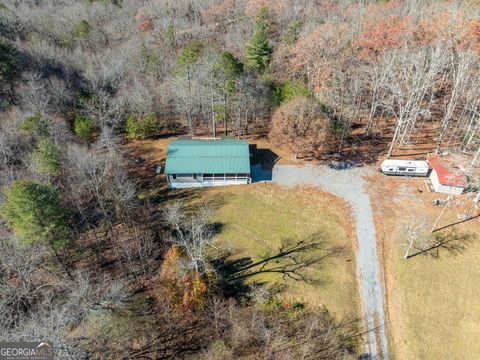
[
  {"x": 405, "y": 167},
  {"x": 444, "y": 180},
  {"x": 207, "y": 162}
]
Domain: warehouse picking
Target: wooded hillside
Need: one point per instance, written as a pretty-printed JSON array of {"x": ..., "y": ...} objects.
[
  {"x": 404, "y": 68},
  {"x": 86, "y": 252}
]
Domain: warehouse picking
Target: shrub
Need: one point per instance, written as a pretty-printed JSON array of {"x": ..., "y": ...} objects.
[
  {"x": 82, "y": 29},
  {"x": 36, "y": 125},
  {"x": 149, "y": 58},
  {"x": 170, "y": 34},
  {"x": 142, "y": 128},
  {"x": 83, "y": 126},
  {"x": 302, "y": 125},
  {"x": 291, "y": 34},
  {"x": 288, "y": 90}
]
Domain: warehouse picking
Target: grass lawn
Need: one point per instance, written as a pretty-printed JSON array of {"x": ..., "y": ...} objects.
[
  {"x": 438, "y": 301},
  {"x": 256, "y": 219}
]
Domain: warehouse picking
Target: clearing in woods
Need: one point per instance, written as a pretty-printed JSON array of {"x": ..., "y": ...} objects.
[
  {"x": 255, "y": 221},
  {"x": 432, "y": 303}
]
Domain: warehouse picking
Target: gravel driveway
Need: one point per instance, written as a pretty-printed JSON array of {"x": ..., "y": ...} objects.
[{"x": 347, "y": 183}]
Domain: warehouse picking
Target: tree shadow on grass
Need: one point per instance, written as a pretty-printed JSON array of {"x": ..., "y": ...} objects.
[
  {"x": 452, "y": 242},
  {"x": 292, "y": 261}
]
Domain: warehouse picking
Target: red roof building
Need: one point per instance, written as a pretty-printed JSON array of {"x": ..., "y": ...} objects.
[{"x": 445, "y": 180}]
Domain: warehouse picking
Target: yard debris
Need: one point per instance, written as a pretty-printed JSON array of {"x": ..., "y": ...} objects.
[
  {"x": 439, "y": 202},
  {"x": 428, "y": 185},
  {"x": 464, "y": 216},
  {"x": 457, "y": 203},
  {"x": 341, "y": 165}
]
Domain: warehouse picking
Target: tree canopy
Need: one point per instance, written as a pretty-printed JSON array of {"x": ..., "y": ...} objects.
[
  {"x": 188, "y": 56},
  {"x": 301, "y": 125},
  {"x": 227, "y": 69}
]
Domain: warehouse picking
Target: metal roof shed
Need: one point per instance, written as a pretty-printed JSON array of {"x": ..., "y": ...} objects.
[
  {"x": 205, "y": 162},
  {"x": 445, "y": 180}
]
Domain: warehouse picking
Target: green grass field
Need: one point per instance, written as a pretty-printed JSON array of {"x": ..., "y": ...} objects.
[{"x": 255, "y": 220}]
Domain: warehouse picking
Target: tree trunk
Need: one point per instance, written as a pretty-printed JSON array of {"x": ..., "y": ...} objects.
[
  {"x": 475, "y": 158},
  {"x": 225, "y": 113},
  {"x": 395, "y": 136},
  {"x": 190, "y": 115},
  {"x": 214, "y": 127}
]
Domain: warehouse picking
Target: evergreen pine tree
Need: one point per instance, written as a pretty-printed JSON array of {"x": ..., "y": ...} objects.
[
  {"x": 226, "y": 71},
  {"x": 259, "y": 50},
  {"x": 48, "y": 156},
  {"x": 36, "y": 213}
]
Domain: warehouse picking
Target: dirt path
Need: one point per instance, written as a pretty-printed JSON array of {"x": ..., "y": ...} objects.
[{"x": 348, "y": 184}]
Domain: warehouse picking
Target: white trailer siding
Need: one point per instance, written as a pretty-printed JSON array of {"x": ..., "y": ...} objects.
[{"x": 405, "y": 167}]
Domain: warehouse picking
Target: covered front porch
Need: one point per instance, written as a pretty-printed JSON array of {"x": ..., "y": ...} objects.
[{"x": 179, "y": 181}]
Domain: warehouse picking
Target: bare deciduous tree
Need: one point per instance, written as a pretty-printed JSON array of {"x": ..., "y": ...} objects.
[{"x": 192, "y": 234}]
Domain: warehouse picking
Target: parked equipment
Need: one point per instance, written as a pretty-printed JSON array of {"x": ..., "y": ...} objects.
[{"x": 405, "y": 167}]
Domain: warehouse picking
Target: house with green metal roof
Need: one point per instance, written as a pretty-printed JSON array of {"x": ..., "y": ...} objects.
[{"x": 207, "y": 162}]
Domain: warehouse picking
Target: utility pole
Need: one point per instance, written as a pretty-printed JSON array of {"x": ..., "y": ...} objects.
[{"x": 441, "y": 214}]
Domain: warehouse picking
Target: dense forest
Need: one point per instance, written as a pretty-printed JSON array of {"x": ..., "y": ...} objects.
[{"x": 82, "y": 252}]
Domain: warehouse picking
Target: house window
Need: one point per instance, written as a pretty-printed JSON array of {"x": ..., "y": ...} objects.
[
  {"x": 194, "y": 176},
  {"x": 402, "y": 169},
  {"x": 174, "y": 176},
  {"x": 390, "y": 169},
  {"x": 410, "y": 169}
]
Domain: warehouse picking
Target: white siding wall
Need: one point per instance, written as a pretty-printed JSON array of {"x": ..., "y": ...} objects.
[
  {"x": 452, "y": 190},
  {"x": 182, "y": 182}
]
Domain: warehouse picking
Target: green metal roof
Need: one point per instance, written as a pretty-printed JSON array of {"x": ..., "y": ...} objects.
[{"x": 189, "y": 156}]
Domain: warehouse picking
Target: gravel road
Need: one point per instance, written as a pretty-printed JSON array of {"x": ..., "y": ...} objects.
[{"x": 347, "y": 183}]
